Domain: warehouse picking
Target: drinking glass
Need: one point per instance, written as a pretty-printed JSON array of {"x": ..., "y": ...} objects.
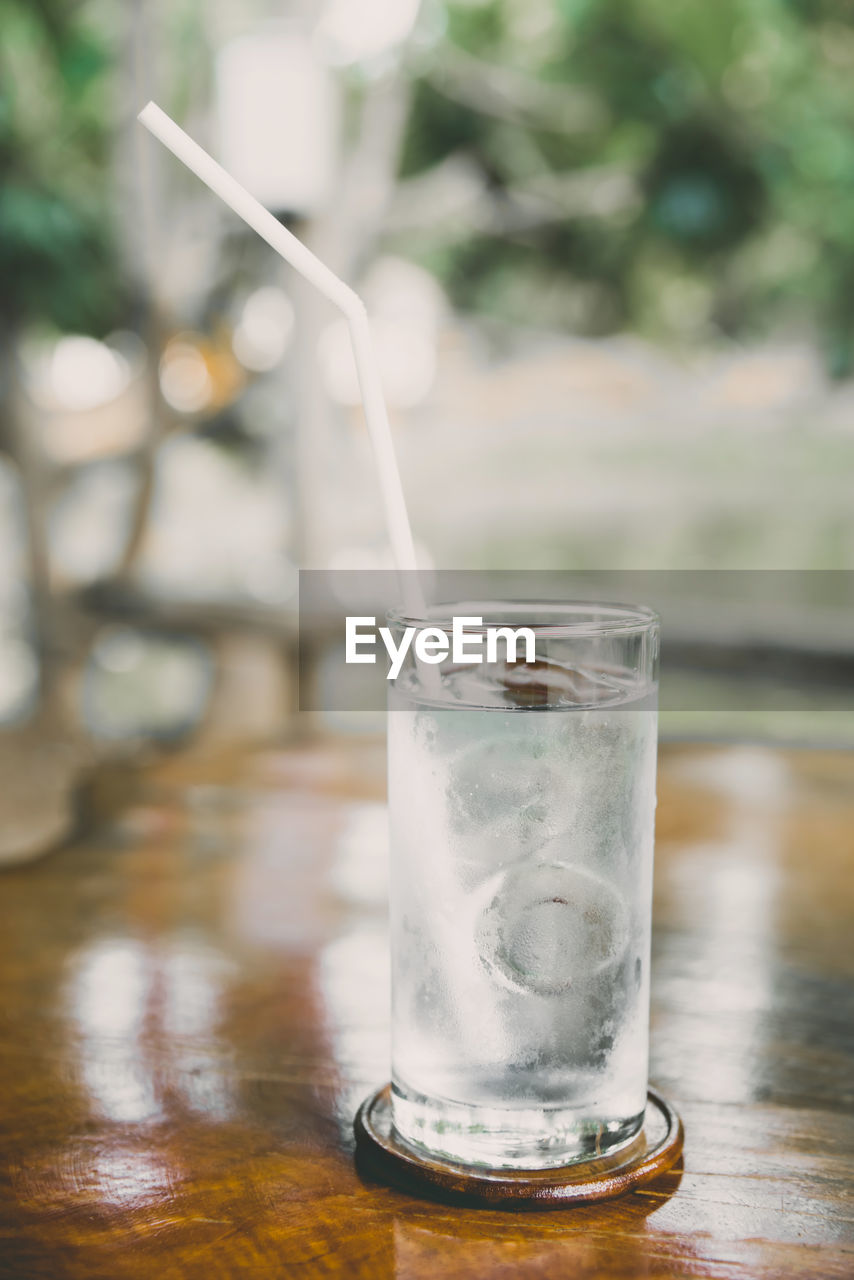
[{"x": 522, "y": 799}]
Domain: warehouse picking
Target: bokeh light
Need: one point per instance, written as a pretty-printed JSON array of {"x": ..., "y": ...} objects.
[
  {"x": 349, "y": 32},
  {"x": 265, "y": 329},
  {"x": 185, "y": 380}
]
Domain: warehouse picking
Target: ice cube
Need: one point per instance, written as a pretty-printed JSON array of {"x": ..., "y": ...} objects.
[
  {"x": 552, "y": 927},
  {"x": 546, "y": 682},
  {"x": 556, "y": 684},
  {"x": 498, "y": 777}
]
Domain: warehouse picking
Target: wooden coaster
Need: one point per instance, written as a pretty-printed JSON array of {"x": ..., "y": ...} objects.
[{"x": 656, "y": 1148}]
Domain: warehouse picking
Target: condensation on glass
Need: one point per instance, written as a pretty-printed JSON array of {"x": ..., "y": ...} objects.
[{"x": 522, "y": 801}]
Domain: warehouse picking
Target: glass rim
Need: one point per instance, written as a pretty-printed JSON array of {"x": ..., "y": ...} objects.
[{"x": 592, "y": 618}]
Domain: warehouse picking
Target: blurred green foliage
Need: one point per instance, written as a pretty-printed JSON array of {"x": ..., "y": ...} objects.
[
  {"x": 56, "y": 257},
  {"x": 732, "y": 124},
  {"x": 681, "y": 167}
]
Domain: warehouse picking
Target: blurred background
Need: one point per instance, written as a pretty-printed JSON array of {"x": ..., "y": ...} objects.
[{"x": 608, "y": 250}]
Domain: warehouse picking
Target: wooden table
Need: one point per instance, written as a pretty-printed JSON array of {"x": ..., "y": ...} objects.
[{"x": 194, "y": 1002}]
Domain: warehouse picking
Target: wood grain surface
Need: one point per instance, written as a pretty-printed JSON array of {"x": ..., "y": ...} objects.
[{"x": 194, "y": 1003}]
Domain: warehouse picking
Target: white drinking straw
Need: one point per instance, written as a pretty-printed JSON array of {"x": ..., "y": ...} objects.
[
  {"x": 349, "y": 302},
  {"x": 471, "y": 1016}
]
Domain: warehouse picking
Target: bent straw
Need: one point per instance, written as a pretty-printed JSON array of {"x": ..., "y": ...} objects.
[
  {"x": 347, "y": 300},
  {"x": 471, "y": 1017}
]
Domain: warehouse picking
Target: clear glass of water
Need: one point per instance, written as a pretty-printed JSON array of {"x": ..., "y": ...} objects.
[{"x": 522, "y": 800}]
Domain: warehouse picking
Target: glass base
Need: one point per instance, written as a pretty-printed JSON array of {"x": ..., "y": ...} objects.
[{"x": 531, "y": 1137}]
